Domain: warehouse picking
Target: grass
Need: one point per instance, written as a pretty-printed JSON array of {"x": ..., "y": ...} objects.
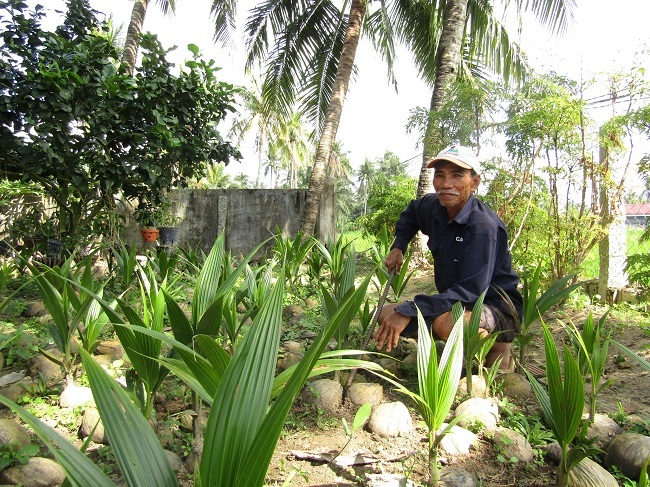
[{"x": 589, "y": 268}]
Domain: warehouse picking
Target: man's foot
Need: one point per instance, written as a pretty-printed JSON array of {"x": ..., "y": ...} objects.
[{"x": 500, "y": 350}]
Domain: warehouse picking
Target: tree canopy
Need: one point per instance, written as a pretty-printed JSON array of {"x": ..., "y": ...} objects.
[{"x": 74, "y": 121}]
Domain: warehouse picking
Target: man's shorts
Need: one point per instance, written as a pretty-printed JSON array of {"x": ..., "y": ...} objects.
[{"x": 492, "y": 319}]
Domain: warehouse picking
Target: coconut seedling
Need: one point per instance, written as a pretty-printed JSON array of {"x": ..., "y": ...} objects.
[
  {"x": 476, "y": 344},
  {"x": 244, "y": 424},
  {"x": 360, "y": 418},
  {"x": 68, "y": 299},
  {"x": 562, "y": 405},
  {"x": 378, "y": 253},
  {"x": 591, "y": 348},
  {"x": 534, "y": 307},
  {"x": 437, "y": 384}
]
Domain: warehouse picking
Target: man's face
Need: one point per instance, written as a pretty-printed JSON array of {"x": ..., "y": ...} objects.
[{"x": 453, "y": 185}]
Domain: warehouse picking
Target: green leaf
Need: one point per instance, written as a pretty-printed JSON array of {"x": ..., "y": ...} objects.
[
  {"x": 135, "y": 445},
  {"x": 79, "y": 468},
  {"x": 361, "y": 416},
  {"x": 243, "y": 396},
  {"x": 254, "y": 468}
]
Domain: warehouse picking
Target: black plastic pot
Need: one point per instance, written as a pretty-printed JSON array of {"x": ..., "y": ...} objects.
[
  {"x": 169, "y": 235},
  {"x": 54, "y": 247}
]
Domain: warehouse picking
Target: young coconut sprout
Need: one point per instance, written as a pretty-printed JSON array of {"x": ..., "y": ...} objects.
[
  {"x": 437, "y": 383},
  {"x": 476, "y": 344},
  {"x": 591, "y": 349},
  {"x": 562, "y": 405},
  {"x": 244, "y": 424},
  {"x": 534, "y": 307}
]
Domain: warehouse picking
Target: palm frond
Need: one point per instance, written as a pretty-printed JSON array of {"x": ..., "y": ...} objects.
[{"x": 224, "y": 13}]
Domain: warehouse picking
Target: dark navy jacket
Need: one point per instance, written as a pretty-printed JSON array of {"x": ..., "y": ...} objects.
[{"x": 470, "y": 255}]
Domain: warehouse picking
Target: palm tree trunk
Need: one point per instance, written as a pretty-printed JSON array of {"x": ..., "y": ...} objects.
[
  {"x": 133, "y": 33},
  {"x": 333, "y": 116},
  {"x": 447, "y": 63}
]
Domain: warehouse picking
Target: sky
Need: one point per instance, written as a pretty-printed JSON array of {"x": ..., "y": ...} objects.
[{"x": 603, "y": 37}]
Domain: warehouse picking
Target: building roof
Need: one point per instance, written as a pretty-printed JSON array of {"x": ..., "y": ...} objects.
[{"x": 637, "y": 209}]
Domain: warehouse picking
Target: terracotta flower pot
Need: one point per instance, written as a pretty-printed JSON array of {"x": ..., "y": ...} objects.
[{"x": 149, "y": 234}]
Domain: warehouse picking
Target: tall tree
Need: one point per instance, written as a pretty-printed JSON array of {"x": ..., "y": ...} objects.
[
  {"x": 134, "y": 31},
  {"x": 467, "y": 25},
  {"x": 292, "y": 144},
  {"x": 255, "y": 117},
  {"x": 312, "y": 59}
]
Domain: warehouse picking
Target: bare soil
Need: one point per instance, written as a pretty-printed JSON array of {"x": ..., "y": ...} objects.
[
  {"x": 312, "y": 432},
  {"x": 407, "y": 455}
]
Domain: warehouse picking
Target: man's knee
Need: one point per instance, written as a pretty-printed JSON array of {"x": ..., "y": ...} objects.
[{"x": 443, "y": 324}]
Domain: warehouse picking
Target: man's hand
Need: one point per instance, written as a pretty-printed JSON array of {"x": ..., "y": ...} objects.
[
  {"x": 390, "y": 330},
  {"x": 394, "y": 260}
]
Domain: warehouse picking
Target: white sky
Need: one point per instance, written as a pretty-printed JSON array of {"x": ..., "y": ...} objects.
[{"x": 603, "y": 38}]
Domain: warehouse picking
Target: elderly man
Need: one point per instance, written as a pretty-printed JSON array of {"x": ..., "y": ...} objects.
[{"x": 469, "y": 244}]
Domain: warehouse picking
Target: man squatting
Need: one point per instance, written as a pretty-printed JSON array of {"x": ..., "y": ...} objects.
[{"x": 469, "y": 244}]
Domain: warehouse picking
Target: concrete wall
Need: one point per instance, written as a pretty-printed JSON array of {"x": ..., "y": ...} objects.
[{"x": 248, "y": 216}]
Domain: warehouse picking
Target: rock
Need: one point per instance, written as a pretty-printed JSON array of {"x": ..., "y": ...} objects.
[
  {"x": 479, "y": 387},
  {"x": 34, "y": 309},
  {"x": 113, "y": 348},
  {"x": 165, "y": 434},
  {"x": 41, "y": 366},
  {"x": 628, "y": 451},
  {"x": 293, "y": 347},
  {"x": 326, "y": 394},
  {"x": 176, "y": 463},
  {"x": 194, "y": 458},
  {"x": 458, "y": 441},
  {"x": 410, "y": 362},
  {"x": 513, "y": 444},
  {"x": 391, "y": 419},
  {"x": 37, "y": 472},
  {"x": 73, "y": 396},
  {"x": 515, "y": 386},
  {"x": 389, "y": 364},
  {"x": 17, "y": 390},
  {"x": 457, "y": 477},
  {"x": 332, "y": 344},
  {"x": 588, "y": 473},
  {"x": 12, "y": 433},
  {"x": 554, "y": 452},
  {"x": 360, "y": 393},
  {"x": 88, "y": 421},
  {"x": 11, "y": 378},
  {"x": 106, "y": 361},
  {"x": 308, "y": 335},
  {"x": 409, "y": 345},
  {"x": 602, "y": 430},
  {"x": 291, "y": 311},
  {"x": 288, "y": 359},
  {"x": 45, "y": 319},
  {"x": 100, "y": 269},
  {"x": 478, "y": 411},
  {"x": 312, "y": 303}
]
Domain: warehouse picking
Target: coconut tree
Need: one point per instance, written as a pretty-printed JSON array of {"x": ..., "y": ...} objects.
[
  {"x": 132, "y": 40},
  {"x": 464, "y": 34},
  {"x": 292, "y": 144},
  {"x": 312, "y": 46},
  {"x": 257, "y": 118}
]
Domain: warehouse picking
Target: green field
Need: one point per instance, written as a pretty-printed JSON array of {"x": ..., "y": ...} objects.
[{"x": 590, "y": 264}]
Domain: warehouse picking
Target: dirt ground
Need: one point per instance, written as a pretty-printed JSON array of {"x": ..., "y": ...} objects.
[
  {"x": 310, "y": 432},
  {"x": 406, "y": 455}
]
